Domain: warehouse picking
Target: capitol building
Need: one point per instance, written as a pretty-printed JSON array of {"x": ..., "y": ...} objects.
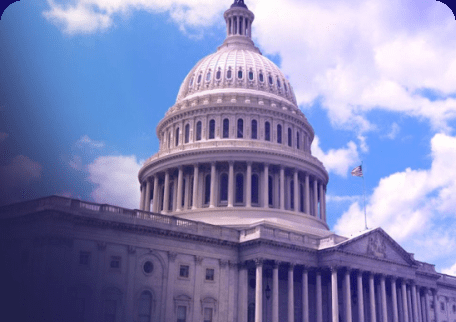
[{"x": 231, "y": 226}]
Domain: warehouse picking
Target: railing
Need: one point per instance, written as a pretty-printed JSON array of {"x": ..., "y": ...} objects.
[{"x": 279, "y": 234}]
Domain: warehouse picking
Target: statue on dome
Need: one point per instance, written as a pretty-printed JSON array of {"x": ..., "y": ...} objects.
[{"x": 238, "y": 3}]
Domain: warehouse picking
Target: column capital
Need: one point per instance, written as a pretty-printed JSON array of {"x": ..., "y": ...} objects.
[
  {"x": 249, "y": 162},
  {"x": 198, "y": 259},
  {"x": 223, "y": 263},
  {"x": 276, "y": 263},
  {"x": 333, "y": 268},
  {"x": 258, "y": 262},
  {"x": 172, "y": 256},
  {"x": 291, "y": 265},
  {"x": 231, "y": 162}
]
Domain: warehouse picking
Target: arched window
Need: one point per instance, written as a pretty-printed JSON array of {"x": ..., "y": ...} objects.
[
  {"x": 198, "y": 131},
  {"x": 279, "y": 133},
  {"x": 271, "y": 191},
  {"x": 240, "y": 74},
  {"x": 254, "y": 129},
  {"x": 145, "y": 307},
  {"x": 292, "y": 192},
  {"x": 208, "y": 76},
  {"x": 278, "y": 83},
  {"x": 261, "y": 77},
  {"x": 187, "y": 133},
  {"x": 207, "y": 189},
  {"x": 191, "y": 81},
  {"x": 239, "y": 188},
  {"x": 285, "y": 86},
  {"x": 218, "y": 75},
  {"x": 199, "y": 78},
  {"x": 267, "y": 131},
  {"x": 211, "y": 129},
  {"x": 226, "y": 128},
  {"x": 223, "y": 188},
  {"x": 255, "y": 188},
  {"x": 297, "y": 140},
  {"x": 228, "y": 74},
  {"x": 290, "y": 137},
  {"x": 271, "y": 81},
  {"x": 177, "y": 137},
  {"x": 251, "y": 75},
  {"x": 240, "y": 128}
]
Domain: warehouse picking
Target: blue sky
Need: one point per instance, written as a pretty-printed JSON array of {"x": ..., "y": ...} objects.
[{"x": 84, "y": 84}]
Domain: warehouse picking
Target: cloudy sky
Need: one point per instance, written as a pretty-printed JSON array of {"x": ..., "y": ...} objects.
[{"x": 83, "y": 84}]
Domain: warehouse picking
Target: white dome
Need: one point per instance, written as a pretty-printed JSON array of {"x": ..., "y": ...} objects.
[{"x": 236, "y": 67}]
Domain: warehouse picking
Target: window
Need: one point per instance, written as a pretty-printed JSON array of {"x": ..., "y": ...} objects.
[
  {"x": 115, "y": 262},
  {"x": 292, "y": 192},
  {"x": 255, "y": 189},
  {"x": 84, "y": 258},
  {"x": 261, "y": 77},
  {"x": 198, "y": 131},
  {"x": 190, "y": 193},
  {"x": 223, "y": 188},
  {"x": 267, "y": 131},
  {"x": 183, "y": 192},
  {"x": 229, "y": 73},
  {"x": 208, "y": 76},
  {"x": 148, "y": 267},
  {"x": 254, "y": 129},
  {"x": 271, "y": 81},
  {"x": 285, "y": 87},
  {"x": 181, "y": 314},
  {"x": 199, "y": 78},
  {"x": 297, "y": 140},
  {"x": 239, "y": 188},
  {"x": 187, "y": 133},
  {"x": 226, "y": 128},
  {"x": 442, "y": 306},
  {"x": 211, "y": 129},
  {"x": 191, "y": 81},
  {"x": 210, "y": 274},
  {"x": 290, "y": 139},
  {"x": 251, "y": 75},
  {"x": 240, "y": 128},
  {"x": 169, "y": 139},
  {"x": 454, "y": 308},
  {"x": 177, "y": 137},
  {"x": 279, "y": 133},
  {"x": 112, "y": 308},
  {"x": 278, "y": 83},
  {"x": 240, "y": 74},
  {"x": 184, "y": 271},
  {"x": 144, "y": 307},
  {"x": 207, "y": 314},
  {"x": 218, "y": 75},
  {"x": 301, "y": 199},
  {"x": 207, "y": 189}
]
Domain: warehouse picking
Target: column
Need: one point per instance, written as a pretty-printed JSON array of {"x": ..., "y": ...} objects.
[
  {"x": 296, "y": 190},
  {"x": 414, "y": 302},
  {"x": 259, "y": 291},
  {"x": 409, "y": 305},
  {"x": 307, "y": 195},
  {"x": 195, "y": 185},
  {"x": 155, "y": 197},
  {"x": 418, "y": 305},
  {"x": 143, "y": 196},
  {"x": 359, "y": 278},
  {"x": 348, "y": 304},
  {"x": 404, "y": 301},
  {"x": 315, "y": 195},
  {"x": 147, "y": 196},
  {"x": 372, "y": 297},
  {"x": 319, "y": 298},
  {"x": 394, "y": 299},
  {"x": 275, "y": 292},
  {"x": 426, "y": 301},
  {"x": 305, "y": 295},
  {"x": 180, "y": 181},
  {"x": 436, "y": 305},
  {"x": 242, "y": 295},
  {"x": 290, "y": 293},
  {"x": 230, "y": 184},
  {"x": 282, "y": 188},
  {"x": 334, "y": 295},
  {"x": 212, "y": 197},
  {"x": 322, "y": 205},
  {"x": 383, "y": 291},
  {"x": 249, "y": 185},
  {"x": 400, "y": 302},
  {"x": 266, "y": 186},
  {"x": 239, "y": 32},
  {"x": 166, "y": 194}
]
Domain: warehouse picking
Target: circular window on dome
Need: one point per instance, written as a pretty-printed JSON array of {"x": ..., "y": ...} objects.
[
  {"x": 251, "y": 75},
  {"x": 148, "y": 267}
]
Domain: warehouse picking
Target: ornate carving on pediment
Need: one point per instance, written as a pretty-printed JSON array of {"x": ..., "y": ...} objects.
[{"x": 376, "y": 246}]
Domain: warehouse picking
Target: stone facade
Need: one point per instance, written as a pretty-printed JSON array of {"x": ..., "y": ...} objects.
[{"x": 231, "y": 225}]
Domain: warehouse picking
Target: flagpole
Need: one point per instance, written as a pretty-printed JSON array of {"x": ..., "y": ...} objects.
[{"x": 364, "y": 199}]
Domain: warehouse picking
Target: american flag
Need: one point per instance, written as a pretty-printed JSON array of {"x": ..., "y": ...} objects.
[{"x": 357, "y": 172}]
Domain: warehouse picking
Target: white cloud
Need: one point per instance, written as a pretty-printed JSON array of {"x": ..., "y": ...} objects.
[
  {"x": 86, "y": 142},
  {"x": 450, "y": 271},
  {"x": 115, "y": 179},
  {"x": 89, "y": 16},
  {"x": 337, "y": 161},
  {"x": 395, "y": 129},
  {"x": 416, "y": 207}
]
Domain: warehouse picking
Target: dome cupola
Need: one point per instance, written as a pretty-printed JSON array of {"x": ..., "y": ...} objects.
[{"x": 235, "y": 148}]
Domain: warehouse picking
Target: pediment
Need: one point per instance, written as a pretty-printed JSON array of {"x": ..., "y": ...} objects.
[{"x": 378, "y": 245}]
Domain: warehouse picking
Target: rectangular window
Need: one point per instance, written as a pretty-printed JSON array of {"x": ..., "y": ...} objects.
[
  {"x": 115, "y": 262},
  {"x": 181, "y": 314},
  {"x": 210, "y": 274},
  {"x": 184, "y": 271},
  {"x": 207, "y": 315},
  {"x": 84, "y": 258}
]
